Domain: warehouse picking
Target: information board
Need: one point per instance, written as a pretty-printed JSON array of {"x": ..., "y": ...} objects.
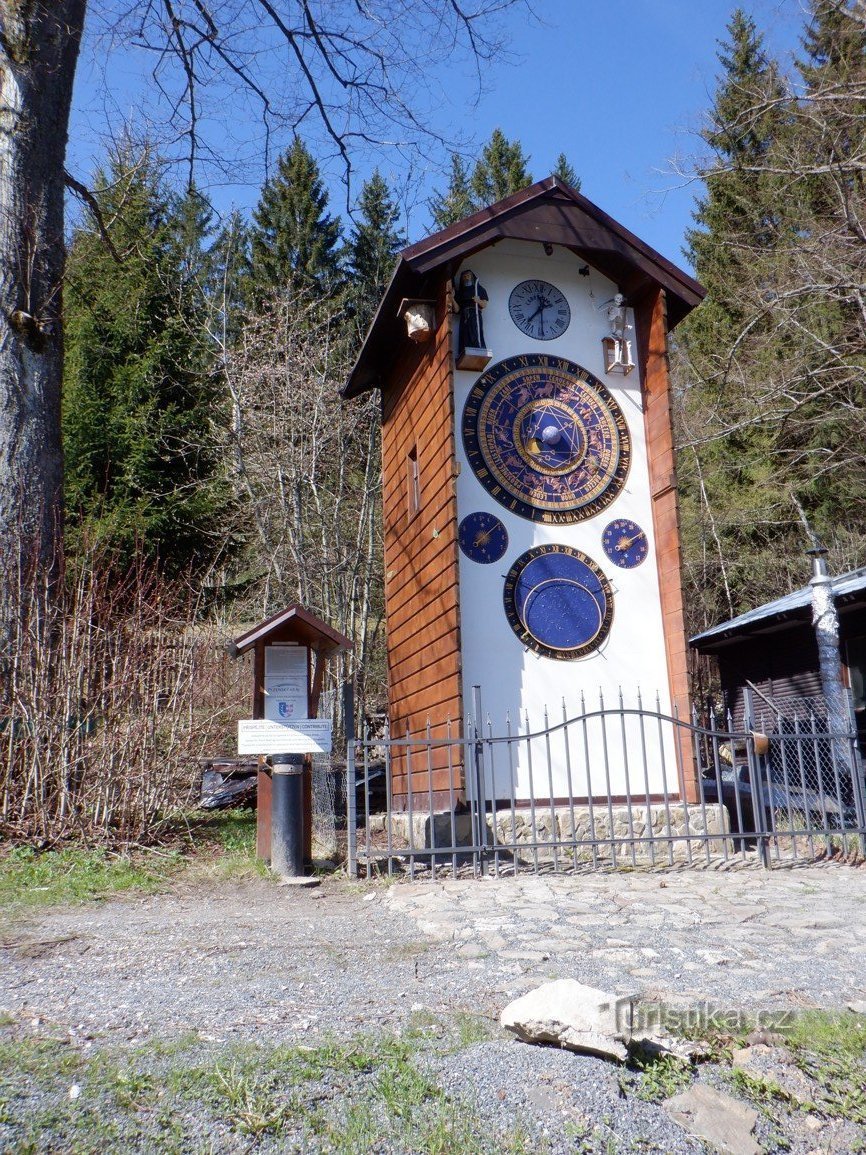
[
  {"x": 300, "y": 736},
  {"x": 286, "y": 683}
]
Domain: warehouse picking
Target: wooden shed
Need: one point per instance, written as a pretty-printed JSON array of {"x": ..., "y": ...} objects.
[
  {"x": 514, "y": 470},
  {"x": 773, "y": 647}
]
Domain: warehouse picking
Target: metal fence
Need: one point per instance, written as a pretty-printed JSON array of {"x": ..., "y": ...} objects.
[{"x": 611, "y": 785}]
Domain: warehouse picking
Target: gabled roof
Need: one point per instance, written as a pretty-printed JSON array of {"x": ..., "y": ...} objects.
[
  {"x": 293, "y": 624},
  {"x": 549, "y": 211},
  {"x": 847, "y": 589}
]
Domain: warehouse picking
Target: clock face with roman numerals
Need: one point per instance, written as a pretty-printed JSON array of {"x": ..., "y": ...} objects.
[
  {"x": 539, "y": 309},
  {"x": 546, "y": 439},
  {"x": 558, "y": 602}
]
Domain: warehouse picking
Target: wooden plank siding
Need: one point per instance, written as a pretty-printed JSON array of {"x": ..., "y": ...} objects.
[
  {"x": 421, "y": 565},
  {"x": 652, "y": 336}
]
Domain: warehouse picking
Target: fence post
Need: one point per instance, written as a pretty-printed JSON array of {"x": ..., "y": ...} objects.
[
  {"x": 351, "y": 795},
  {"x": 755, "y": 779},
  {"x": 480, "y": 797}
]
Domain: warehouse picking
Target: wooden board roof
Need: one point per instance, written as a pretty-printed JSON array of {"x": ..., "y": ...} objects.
[
  {"x": 293, "y": 624},
  {"x": 547, "y": 212}
]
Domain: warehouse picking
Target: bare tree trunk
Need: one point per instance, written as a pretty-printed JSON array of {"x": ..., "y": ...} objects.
[{"x": 39, "y": 42}]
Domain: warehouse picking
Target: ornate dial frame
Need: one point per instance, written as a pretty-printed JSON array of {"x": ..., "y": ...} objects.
[
  {"x": 558, "y": 602},
  {"x": 546, "y": 439},
  {"x": 482, "y": 537}
]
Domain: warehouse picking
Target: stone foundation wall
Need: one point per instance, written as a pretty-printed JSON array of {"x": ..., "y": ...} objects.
[{"x": 560, "y": 826}]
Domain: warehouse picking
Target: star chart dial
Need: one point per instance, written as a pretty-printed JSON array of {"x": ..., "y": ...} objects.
[
  {"x": 625, "y": 543},
  {"x": 539, "y": 309},
  {"x": 482, "y": 537},
  {"x": 546, "y": 439},
  {"x": 558, "y": 602}
]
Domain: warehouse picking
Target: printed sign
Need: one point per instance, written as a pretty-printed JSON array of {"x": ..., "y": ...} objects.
[
  {"x": 286, "y": 687},
  {"x": 301, "y": 736}
]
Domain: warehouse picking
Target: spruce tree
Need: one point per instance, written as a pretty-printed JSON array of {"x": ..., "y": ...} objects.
[
  {"x": 566, "y": 172},
  {"x": 500, "y": 170},
  {"x": 733, "y": 501},
  {"x": 456, "y": 201},
  {"x": 295, "y": 242},
  {"x": 372, "y": 249},
  {"x": 139, "y": 398}
]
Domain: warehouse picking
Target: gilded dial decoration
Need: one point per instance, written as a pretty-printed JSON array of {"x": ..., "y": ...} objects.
[
  {"x": 558, "y": 602},
  {"x": 482, "y": 537},
  {"x": 625, "y": 543},
  {"x": 539, "y": 309},
  {"x": 546, "y": 438}
]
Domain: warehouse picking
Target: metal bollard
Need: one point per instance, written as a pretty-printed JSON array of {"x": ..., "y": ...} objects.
[{"x": 287, "y": 815}]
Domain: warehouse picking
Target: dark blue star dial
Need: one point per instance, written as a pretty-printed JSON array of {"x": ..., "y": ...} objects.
[
  {"x": 558, "y": 602},
  {"x": 546, "y": 439},
  {"x": 482, "y": 537},
  {"x": 625, "y": 543}
]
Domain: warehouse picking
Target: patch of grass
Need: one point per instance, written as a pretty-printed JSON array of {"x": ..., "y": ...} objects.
[
  {"x": 30, "y": 878},
  {"x": 655, "y": 1077},
  {"x": 831, "y": 1049},
  {"x": 222, "y": 845},
  {"x": 340, "y": 1097}
]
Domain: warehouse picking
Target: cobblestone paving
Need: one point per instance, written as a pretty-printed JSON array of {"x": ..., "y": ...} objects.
[{"x": 742, "y": 939}]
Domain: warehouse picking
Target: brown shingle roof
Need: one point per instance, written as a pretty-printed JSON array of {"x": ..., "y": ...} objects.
[{"x": 549, "y": 211}]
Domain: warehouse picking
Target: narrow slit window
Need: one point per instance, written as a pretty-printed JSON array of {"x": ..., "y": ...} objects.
[{"x": 413, "y": 476}]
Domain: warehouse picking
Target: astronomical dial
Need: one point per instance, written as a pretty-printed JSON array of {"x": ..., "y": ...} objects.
[
  {"x": 558, "y": 602},
  {"x": 539, "y": 310},
  {"x": 546, "y": 438},
  {"x": 482, "y": 537},
  {"x": 625, "y": 543}
]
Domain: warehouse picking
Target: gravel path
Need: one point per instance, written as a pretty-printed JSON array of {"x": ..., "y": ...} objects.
[{"x": 275, "y": 965}]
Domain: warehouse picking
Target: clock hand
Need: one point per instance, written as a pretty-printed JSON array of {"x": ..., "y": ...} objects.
[{"x": 625, "y": 542}]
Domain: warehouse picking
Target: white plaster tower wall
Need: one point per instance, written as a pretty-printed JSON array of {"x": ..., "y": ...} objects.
[{"x": 516, "y": 683}]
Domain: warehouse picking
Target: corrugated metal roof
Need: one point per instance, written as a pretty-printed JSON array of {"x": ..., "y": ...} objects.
[{"x": 844, "y": 586}]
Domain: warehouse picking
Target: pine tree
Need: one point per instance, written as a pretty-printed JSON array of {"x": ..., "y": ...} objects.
[
  {"x": 141, "y": 466},
  {"x": 372, "y": 249},
  {"x": 295, "y": 243},
  {"x": 733, "y": 501},
  {"x": 500, "y": 170},
  {"x": 455, "y": 202},
  {"x": 566, "y": 172}
]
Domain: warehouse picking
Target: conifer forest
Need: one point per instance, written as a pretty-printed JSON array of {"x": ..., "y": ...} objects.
[{"x": 212, "y": 474}]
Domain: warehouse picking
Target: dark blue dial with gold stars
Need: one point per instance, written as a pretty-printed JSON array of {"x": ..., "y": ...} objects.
[
  {"x": 482, "y": 537},
  {"x": 625, "y": 543},
  {"x": 546, "y": 439},
  {"x": 558, "y": 602}
]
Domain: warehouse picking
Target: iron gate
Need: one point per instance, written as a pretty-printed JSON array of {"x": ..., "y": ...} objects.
[{"x": 609, "y": 786}]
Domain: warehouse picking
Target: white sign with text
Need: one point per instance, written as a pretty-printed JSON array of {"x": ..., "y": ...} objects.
[{"x": 300, "y": 736}]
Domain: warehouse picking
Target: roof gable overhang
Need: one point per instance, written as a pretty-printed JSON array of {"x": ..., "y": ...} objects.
[{"x": 548, "y": 212}]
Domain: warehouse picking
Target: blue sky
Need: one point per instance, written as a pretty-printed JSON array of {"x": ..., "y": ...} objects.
[{"x": 619, "y": 88}]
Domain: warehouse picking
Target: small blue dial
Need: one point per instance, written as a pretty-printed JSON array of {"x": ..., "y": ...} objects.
[
  {"x": 625, "y": 543},
  {"x": 483, "y": 537},
  {"x": 558, "y": 602}
]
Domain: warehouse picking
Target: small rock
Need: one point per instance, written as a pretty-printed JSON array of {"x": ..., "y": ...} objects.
[
  {"x": 574, "y": 1016},
  {"x": 858, "y": 1006},
  {"x": 716, "y": 1118},
  {"x": 74, "y": 1091}
]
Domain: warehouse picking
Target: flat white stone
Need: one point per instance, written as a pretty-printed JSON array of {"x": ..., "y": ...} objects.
[{"x": 571, "y": 1015}]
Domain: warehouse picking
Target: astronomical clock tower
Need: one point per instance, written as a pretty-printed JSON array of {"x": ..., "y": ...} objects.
[{"x": 532, "y": 557}]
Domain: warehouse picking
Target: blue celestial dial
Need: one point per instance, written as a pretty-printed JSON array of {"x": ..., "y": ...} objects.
[
  {"x": 546, "y": 438},
  {"x": 482, "y": 537},
  {"x": 558, "y": 602},
  {"x": 625, "y": 543}
]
